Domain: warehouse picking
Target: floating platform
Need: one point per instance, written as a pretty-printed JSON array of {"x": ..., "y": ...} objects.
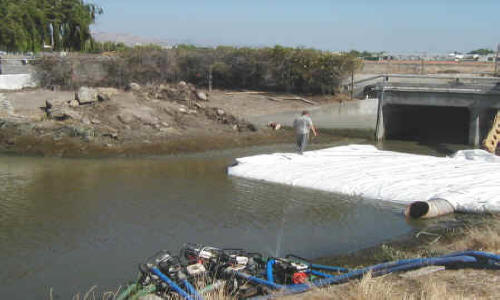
[{"x": 469, "y": 180}]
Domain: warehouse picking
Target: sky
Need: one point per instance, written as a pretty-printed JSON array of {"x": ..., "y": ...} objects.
[{"x": 432, "y": 26}]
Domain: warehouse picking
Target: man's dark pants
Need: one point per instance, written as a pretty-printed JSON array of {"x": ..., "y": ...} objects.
[{"x": 302, "y": 140}]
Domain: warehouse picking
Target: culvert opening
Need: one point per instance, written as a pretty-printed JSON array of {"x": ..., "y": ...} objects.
[
  {"x": 427, "y": 123},
  {"x": 418, "y": 209}
]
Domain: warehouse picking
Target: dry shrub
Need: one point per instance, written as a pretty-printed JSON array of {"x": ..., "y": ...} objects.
[
  {"x": 385, "y": 288},
  {"x": 485, "y": 237},
  {"x": 482, "y": 239},
  {"x": 278, "y": 69}
]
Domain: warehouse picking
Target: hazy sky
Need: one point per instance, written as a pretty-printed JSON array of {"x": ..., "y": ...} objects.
[{"x": 391, "y": 25}]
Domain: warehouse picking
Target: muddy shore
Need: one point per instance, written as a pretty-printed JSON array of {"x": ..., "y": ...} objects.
[{"x": 151, "y": 120}]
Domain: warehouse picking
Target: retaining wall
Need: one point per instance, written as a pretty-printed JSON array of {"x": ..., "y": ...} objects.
[
  {"x": 356, "y": 114},
  {"x": 17, "y": 81}
]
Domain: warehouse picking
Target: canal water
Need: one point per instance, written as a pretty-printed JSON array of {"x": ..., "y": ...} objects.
[{"x": 70, "y": 224}]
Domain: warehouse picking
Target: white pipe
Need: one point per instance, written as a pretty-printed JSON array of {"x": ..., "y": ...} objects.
[{"x": 428, "y": 209}]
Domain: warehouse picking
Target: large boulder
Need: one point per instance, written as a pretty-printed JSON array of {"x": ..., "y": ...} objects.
[
  {"x": 146, "y": 116},
  {"x": 74, "y": 103},
  {"x": 86, "y": 95},
  {"x": 201, "y": 96},
  {"x": 126, "y": 117},
  {"x": 134, "y": 86},
  {"x": 105, "y": 94},
  {"x": 61, "y": 113}
]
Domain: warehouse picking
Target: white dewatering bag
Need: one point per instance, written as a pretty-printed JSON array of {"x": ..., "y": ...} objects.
[{"x": 469, "y": 180}]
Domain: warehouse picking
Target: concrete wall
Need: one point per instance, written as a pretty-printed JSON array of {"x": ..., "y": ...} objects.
[
  {"x": 17, "y": 81},
  {"x": 357, "y": 115},
  {"x": 15, "y": 66},
  {"x": 429, "y": 67}
]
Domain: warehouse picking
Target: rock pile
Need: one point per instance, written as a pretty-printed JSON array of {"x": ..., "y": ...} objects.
[
  {"x": 181, "y": 91},
  {"x": 84, "y": 96},
  {"x": 222, "y": 117}
]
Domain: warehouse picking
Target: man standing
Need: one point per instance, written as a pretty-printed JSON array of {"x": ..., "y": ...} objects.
[{"x": 303, "y": 125}]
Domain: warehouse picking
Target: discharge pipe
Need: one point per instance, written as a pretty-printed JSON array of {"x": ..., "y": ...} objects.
[
  {"x": 428, "y": 209},
  {"x": 172, "y": 284},
  {"x": 269, "y": 270}
]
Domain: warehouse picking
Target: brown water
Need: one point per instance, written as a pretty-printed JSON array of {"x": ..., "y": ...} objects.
[{"x": 70, "y": 224}]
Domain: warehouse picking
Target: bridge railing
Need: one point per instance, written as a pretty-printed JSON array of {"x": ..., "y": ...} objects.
[{"x": 415, "y": 79}]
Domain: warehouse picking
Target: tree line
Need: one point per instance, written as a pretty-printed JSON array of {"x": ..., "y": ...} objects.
[
  {"x": 277, "y": 68},
  {"x": 28, "y": 25}
]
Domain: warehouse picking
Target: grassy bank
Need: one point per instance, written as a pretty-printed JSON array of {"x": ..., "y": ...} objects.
[{"x": 448, "y": 284}]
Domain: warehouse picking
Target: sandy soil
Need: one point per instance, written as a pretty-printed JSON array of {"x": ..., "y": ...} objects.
[{"x": 244, "y": 104}]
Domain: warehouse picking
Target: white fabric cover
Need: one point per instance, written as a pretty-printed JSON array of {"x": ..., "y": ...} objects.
[{"x": 470, "y": 180}]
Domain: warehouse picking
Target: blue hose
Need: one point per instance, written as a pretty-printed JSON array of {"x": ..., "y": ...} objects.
[
  {"x": 381, "y": 269},
  {"x": 329, "y": 268},
  {"x": 378, "y": 270},
  {"x": 259, "y": 280},
  {"x": 317, "y": 273},
  {"x": 476, "y": 254},
  {"x": 192, "y": 290},
  {"x": 269, "y": 270},
  {"x": 172, "y": 284}
]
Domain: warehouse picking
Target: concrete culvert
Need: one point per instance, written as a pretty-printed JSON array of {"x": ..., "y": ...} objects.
[
  {"x": 427, "y": 123},
  {"x": 428, "y": 209}
]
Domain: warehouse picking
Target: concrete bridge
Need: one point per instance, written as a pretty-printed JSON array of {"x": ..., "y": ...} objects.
[{"x": 446, "y": 109}]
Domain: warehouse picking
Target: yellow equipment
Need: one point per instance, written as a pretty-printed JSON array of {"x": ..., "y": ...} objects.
[{"x": 491, "y": 142}]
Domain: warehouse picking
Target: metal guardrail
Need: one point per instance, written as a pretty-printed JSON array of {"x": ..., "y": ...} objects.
[
  {"x": 18, "y": 59},
  {"x": 387, "y": 76}
]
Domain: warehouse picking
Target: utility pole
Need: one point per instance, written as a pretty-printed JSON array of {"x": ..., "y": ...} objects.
[
  {"x": 497, "y": 58},
  {"x": 210, "y": 78}
]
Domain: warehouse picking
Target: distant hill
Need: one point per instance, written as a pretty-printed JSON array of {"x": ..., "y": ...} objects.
[{"x": 130, "y": 39}]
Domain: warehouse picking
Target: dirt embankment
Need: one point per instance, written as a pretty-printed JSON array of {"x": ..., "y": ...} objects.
[{"x": 156, "y": 119}]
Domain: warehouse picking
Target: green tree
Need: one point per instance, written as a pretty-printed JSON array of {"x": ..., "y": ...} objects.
[
  {"x": 481, "y": 51},
  {"x": 26, "y": 25}
]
